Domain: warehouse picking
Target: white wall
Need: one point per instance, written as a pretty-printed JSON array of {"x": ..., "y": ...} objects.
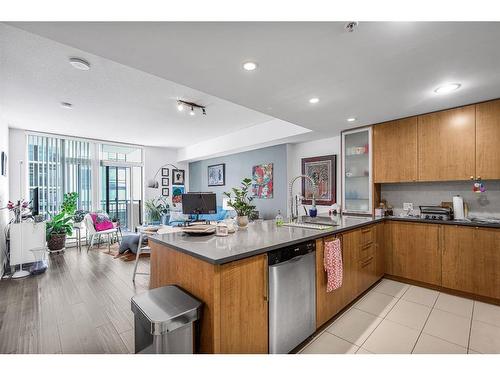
[
  {"x": 17, "y": 143},
  {"x": 297, "y": 151},
  {"x": 154, "y": 158},
  {"x": 4, "y": 191}
]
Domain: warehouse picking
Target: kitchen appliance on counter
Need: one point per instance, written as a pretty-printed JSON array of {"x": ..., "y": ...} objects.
[
  {"x": 436, "y": 213},
  {"x": 292, "y": 296}
]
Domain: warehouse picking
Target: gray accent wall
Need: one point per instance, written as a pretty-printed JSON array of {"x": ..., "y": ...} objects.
[
  {"x": 433, "y": 193},
  {"x": 239, "y": 166}
]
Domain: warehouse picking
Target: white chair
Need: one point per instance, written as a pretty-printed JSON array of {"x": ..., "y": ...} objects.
[
  {"x": 92, "y": 234},
  {"x": 140, "y": 249}
]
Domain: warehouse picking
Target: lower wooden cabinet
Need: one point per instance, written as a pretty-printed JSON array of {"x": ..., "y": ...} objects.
[
  {"x": 471, "y": 260},
  {"x": 362, "y": 259},
  {"x": 415, "y": 249}
]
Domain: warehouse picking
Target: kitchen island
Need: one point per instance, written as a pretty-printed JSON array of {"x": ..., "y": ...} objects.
[{"x": 229, "y": 274}]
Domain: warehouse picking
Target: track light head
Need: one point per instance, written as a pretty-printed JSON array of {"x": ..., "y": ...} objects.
[
  {"x": 192, "y": 111},
  {"x": 180, "y": 106}
]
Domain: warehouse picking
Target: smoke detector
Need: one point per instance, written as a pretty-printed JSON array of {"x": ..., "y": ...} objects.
[{"x": 351, "y": 26}]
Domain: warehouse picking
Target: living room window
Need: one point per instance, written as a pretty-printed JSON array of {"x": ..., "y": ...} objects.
[{"x": 57, "y": 166}]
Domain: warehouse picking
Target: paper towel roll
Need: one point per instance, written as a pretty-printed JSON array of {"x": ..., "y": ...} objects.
[{"x": 458, "y": 207}]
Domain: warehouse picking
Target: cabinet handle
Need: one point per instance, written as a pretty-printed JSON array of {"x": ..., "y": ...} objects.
[{"x": 366, "y": 262}]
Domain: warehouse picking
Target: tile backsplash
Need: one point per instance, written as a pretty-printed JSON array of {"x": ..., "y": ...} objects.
[{"x": 486, "y": 204}]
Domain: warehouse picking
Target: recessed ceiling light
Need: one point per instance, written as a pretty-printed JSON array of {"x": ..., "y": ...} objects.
[
  {"x": 314, "y": 100},
  {"x": 80, "y": 64},
  {"x": 351, "y": 119},
  {"x": 447, "y": 88},
  {"x": 250, "y": 65},
  {"x": 66, "y": 105}
]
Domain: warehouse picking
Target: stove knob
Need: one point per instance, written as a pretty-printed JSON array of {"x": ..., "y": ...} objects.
[
  {"x": 427, "y": 217},
  {"x": 434, "y": 217}
]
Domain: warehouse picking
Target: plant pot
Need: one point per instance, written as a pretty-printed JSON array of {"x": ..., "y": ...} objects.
[
  {"x": 56, "y": 242},
  {"x": 242, "y": 221}
]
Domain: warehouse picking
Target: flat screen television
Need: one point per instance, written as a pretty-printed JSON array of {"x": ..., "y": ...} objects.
[{"x": 199, "y": 204}]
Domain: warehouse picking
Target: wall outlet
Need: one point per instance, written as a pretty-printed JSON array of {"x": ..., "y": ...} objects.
[{"x": 407, "y": 206}]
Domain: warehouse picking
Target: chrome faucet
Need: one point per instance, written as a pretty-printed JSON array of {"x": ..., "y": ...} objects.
[{"x": 294, "y": 213}]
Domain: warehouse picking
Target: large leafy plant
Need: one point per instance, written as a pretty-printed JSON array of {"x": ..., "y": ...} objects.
[
  {"x": 69, "y": 204},
  {"x": 241, "y": 202},
  {"x": 156, "y": 207},
  {"x": 59, "y": 224}
]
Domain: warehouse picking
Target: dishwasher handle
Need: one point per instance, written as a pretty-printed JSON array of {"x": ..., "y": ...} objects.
[{"x": 289, "y": 261}]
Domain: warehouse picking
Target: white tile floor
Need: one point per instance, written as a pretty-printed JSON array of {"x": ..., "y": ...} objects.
[{"x": 399, "y": 318}]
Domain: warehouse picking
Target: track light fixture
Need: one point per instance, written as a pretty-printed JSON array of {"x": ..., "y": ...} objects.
[{"x": 181, "y": 104}]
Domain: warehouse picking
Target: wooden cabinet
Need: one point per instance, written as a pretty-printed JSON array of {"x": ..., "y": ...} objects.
[
  {"x": 381, "y": 251},
  {"x": 446, "y": 145},
  {"x": 415, "y": 251},
  {"x": 395, "y": 151},
  {"x": 360, "y": 257},
  {"x": 471, "y": 260},
  {"x": 329, "y": 304},
  {"x": 234, "y": 295},
  {"x": 488, "y": 140},
  {"x": 458, "y": 258}
]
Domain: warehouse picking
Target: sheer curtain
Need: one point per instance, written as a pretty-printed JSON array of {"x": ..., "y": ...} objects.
[{"x": 58, "y": 166}]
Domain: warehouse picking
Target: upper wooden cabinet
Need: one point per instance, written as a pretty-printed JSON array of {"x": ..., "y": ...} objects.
[
  {"x": 488, "y": 140},
  {"x": 395, "y": 151},
  {"x": 446, "y": 145}
]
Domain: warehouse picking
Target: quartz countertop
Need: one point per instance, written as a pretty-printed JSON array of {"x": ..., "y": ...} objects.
[
  {"x": 258, "y": 238},
  {"x": 264, "y": 236}
]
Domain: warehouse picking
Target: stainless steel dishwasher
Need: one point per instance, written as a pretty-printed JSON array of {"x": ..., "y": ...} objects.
[{"x": 292, "y": 296}]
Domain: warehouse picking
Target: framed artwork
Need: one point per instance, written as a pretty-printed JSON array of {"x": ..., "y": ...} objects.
[
  {"x": 177, "y": 176},
  {"x": 3, "y": 164},
  {"x": 262, "y": 181},
  {"x": 323, "y": 171},
  {"x": 217, "y": 175},
  {"x": 165, "y": 191},
  {"x": 177, "y": 192},
  {"x": 165, "y": 181},
  {"x": 164, "y": 172}
]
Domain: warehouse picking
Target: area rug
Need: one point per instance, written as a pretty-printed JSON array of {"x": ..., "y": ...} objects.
[{"x": 127, "y": 257}]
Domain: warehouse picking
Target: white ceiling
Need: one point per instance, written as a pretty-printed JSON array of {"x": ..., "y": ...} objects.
[
  {"x": 379, "y": 72},
  {"x": 111, "y": 101}
]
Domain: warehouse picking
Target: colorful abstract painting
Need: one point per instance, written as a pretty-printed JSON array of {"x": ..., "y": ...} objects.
[
  {"x": 262, "y": 181},
  {"x": 177, "y": 192},
  {"x": 323, "y": 171}
]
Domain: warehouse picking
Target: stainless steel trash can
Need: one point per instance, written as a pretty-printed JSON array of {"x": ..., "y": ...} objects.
[{"x": 165, "y": 320}]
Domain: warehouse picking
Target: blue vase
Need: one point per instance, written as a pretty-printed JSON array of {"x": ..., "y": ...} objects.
[{"x": 313, "y": 212}]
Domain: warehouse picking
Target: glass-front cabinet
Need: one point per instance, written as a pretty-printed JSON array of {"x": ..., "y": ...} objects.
[{"x": 356, "y": 171}]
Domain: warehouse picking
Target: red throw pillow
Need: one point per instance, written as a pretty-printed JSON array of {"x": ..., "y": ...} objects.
[{"x": 101, "y": 222}]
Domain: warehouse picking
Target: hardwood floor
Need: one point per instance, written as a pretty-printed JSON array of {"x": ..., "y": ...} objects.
[{"x": 81, "y": 304}]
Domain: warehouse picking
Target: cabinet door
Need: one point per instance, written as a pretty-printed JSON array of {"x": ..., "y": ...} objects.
[
  {"x": 415, "y": 251},
  {"x": 395, "y": 151},
  {"x": 488, "y": 140},
  {"x": 458, "y": 258},
  {"x": 446, "y": 145},
  {"x": 329, "y": 304},
  {"x": 486, "y": 255},
  {"x": 243, "y": 306},
  {"x": 380, "y": 247}
]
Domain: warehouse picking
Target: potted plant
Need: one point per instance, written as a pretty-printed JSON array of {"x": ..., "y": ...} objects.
[
  {"x": 241, "y": 202},
  {"x": 61, "y": 225},
  {"x": 157, "y": 210},
  {"x": 58, "y": 228}
]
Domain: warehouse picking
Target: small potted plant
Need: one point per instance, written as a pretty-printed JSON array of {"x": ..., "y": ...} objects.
[
  {"x": 157, "y": 210},
  {"x": 241, "y": 202}
]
